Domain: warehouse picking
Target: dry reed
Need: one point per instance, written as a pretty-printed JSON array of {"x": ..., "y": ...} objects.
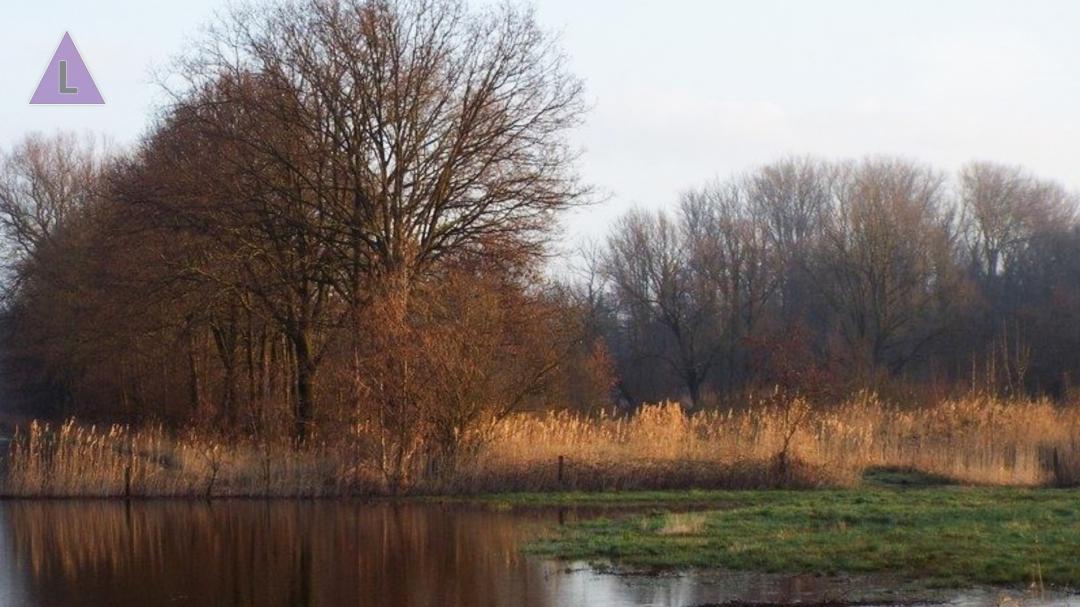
[{"x": 976, "y": 440}]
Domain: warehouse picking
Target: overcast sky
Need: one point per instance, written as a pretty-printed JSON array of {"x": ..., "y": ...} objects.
[{"x": 682, "y": 91}]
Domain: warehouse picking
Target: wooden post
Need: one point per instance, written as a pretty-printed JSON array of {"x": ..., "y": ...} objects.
[
  {"x": 127, "y": 467},
  {"x": 1059, "y": 479},
  {"x": 561, "y": 466}
]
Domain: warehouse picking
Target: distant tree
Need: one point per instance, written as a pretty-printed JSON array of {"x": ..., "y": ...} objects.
[
  {"x": 671, "y": 312},
  {"x": 735, "y": 265},
  {"x": 886, "y": 262},
  {"x": 48, "y": 186},
  {"x": 790, "y": 200},
  {"x": 1004, "y": 208},
  {"x": 45, "y": 181}
]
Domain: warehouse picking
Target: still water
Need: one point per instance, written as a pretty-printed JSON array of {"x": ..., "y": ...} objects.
[{"x": 314, "y": 554}]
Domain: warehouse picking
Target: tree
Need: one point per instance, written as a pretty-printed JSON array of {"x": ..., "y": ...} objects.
[
  {"x": 476, "y": 345},
  {"x": 389, "y": 137},
  {"x": 44, "y": 183},
  {"x": 670, "y": 312},
  {"x": 48, "y": 186},
  {"x": 735, "y": 262},
  {"x": 887, "y": 264},
  {"x": 790, "y": 200},
  {"x": 1004, "y": 208}
]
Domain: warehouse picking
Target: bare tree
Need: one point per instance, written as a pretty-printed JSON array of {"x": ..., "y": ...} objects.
[
  {"x": 48, "y": 185},
  {"x": 887, "y": 264},
  {"x": 1004, "y": 208},
  {"x": 734, "y": 260},
  {"x": 404, "y": 134},
  {"x": 790, "y": 201},
  {"x": 648, "y": 262},
  {"x": 44, "y": 181}
]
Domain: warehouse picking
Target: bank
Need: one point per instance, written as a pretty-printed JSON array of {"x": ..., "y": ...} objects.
[{"x": 938, "y": 536}]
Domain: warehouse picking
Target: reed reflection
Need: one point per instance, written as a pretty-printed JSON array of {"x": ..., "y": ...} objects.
[
  {"x": 263, "y": 554},
  {"x": 325, "y": 554}
]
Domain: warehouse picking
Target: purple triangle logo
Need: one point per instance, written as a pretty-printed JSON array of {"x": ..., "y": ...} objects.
[{"x": 66, "y": 80}]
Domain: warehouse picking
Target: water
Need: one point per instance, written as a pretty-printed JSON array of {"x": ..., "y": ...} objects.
[{"x": 306, "y": 554}]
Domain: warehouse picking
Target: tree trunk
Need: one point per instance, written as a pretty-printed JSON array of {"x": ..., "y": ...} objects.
[
  {"x": 229, "y": 396},
  {"x": 693, "y": 383},
  {"x": 194, "y": 381},
  {"x": 305, "y": 385}
]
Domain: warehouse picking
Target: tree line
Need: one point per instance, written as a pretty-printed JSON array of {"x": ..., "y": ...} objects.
[
  {"x": 824, "y": 278},
  {"x": 338, "y": 225}
]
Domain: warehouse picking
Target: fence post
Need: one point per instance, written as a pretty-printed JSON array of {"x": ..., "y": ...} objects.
[
  {"x": 561, "y": 466},
  {"x": 127, "y": 467},
  {"x": 1059, "y": 478}
]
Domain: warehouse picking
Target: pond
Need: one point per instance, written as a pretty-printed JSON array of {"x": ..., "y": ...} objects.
[{"x": 329, "y": 553}]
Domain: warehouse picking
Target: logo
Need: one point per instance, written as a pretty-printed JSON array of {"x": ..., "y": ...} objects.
[{"x": 66, "y": 80}]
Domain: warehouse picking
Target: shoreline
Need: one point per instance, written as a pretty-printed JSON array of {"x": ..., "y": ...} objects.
[
  {"x": 570, "y": 498},
  {"x": 944, "y": 536}
]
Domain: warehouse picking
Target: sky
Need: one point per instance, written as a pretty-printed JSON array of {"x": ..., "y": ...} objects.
[{"x": 681, "y": 91}]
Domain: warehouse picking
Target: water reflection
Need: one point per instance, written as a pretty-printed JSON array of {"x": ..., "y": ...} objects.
[
  {"x": 263, "y": 553},
  {"x": 317, "y": 554}
]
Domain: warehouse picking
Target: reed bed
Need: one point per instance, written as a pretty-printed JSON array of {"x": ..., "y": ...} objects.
[
  {"x": 72, "y": 460},
  {"x": 976, "y": 440}
]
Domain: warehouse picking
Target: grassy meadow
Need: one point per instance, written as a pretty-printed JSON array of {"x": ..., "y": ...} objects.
[{"x": 944, "y": 536}]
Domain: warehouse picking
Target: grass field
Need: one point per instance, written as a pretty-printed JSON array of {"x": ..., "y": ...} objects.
[{"x": 936, "y": 535}]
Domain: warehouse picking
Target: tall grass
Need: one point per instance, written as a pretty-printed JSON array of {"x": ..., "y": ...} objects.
[
  {"x": 976, "y": 440},
  {"x": 74, "y": 461}
]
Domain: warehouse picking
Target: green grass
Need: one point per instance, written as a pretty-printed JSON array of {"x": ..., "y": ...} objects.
[
  {"x": 946, "y": 536},
  {"x": 628, "y": 499}
]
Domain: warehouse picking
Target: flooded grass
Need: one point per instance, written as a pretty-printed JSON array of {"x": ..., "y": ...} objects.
[
  {"x": 393, "y": 553},
  {"x": 681, "y": 523},
  {"x": 944, "y": 537},
  {"x": 412, "y": 553}
]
